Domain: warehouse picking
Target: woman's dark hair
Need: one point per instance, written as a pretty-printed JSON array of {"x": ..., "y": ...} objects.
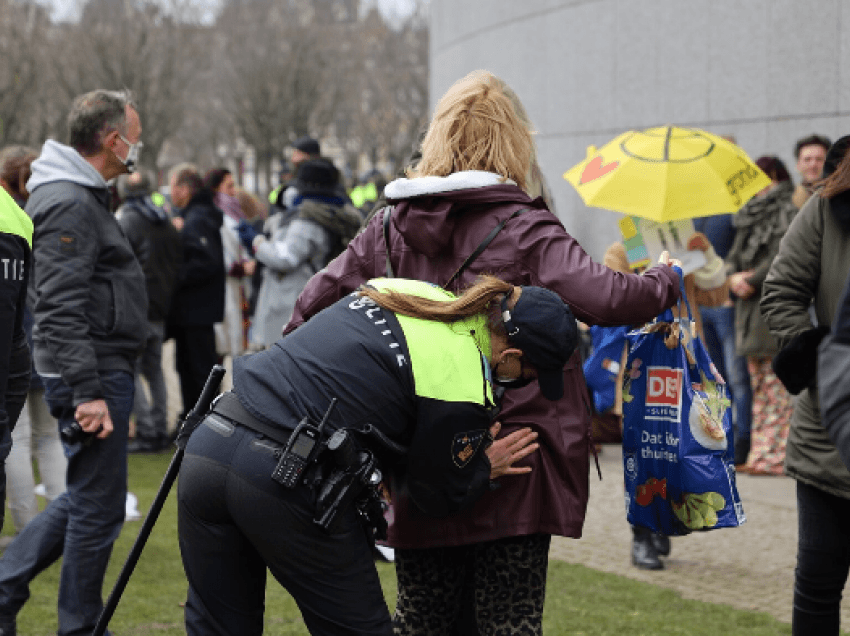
[
  {"x": 477, "y": 299},
  {"x": 15, "y": 170},
  {"x": 811, "y": 140},
  {"x": 214, "y": 178},
  {"x": 773, "y": 168},
  {"x": 836, "y": 169}
]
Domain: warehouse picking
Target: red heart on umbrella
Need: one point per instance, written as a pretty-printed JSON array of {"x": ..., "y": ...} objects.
[{"x": 594, "y": 169}]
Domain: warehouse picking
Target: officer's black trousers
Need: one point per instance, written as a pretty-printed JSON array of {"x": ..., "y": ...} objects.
[{"x": 234, "y": 522}]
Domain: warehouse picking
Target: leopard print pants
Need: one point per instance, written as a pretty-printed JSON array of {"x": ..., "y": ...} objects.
[{"x": 500, "y": 585}]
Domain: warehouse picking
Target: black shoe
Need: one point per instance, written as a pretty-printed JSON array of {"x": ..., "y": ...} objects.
[
  {"x": 661, "y": 543},
  {"x": 742, "y": 450},
  {"x": 644, "y": 554}
]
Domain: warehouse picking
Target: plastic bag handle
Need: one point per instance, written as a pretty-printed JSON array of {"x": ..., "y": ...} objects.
[{"x": 667, "y": 315}]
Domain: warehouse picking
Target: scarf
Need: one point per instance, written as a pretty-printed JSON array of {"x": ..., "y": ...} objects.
[
  {"x": 230, "y": 206},
  {"x": 765, "y": 219}
]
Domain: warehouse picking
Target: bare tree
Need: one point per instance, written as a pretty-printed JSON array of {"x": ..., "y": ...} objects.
[
  {"x": 23, "y": 29},
  {"x": 134, "y": 44},
  {"x": 388, "y": 95},
  {"x": 259, "y": 75},
  {"x": 277, "y": 59}
]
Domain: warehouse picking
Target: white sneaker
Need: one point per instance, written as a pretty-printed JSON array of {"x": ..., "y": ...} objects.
[{"x": 131, "y": 512}]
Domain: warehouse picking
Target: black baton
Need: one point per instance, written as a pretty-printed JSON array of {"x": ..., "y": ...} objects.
[{"x": 190, "y": 422}]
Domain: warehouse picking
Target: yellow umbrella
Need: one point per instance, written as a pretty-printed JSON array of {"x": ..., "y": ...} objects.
[{"x": 667, "y": 173}]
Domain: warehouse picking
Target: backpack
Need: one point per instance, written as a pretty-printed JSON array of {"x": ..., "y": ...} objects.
[
  {"x": 388, "y": 211},
  {"x": 343, "y": 223}
]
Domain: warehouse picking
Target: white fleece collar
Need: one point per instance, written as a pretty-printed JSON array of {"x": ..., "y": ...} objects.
[{"x": 407, "y": 188}]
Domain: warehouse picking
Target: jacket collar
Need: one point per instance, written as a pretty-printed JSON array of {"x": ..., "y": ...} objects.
[{"x": 421, "y": 186}]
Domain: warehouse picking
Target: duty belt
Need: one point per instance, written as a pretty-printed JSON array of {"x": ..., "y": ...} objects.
[{"x": 229, "y": 406}]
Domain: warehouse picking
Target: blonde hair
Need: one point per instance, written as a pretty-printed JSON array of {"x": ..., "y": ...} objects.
[
  {"x": 251, "y": 206},
  {"x": 479, "y": 124},
  {"x": 477, "y": 299}
]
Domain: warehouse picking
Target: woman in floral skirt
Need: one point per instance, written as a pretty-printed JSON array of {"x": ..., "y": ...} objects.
[{"x": 760, "y": 226}]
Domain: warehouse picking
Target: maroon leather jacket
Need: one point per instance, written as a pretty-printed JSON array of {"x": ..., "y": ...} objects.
[{"x": 434, "y": 228}]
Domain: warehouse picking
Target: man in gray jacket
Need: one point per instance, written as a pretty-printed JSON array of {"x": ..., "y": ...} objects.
[{"x": 90, "y": 323}]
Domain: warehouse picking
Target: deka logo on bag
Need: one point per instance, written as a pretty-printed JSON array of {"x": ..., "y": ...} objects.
[{"x": 663, "y": 393}]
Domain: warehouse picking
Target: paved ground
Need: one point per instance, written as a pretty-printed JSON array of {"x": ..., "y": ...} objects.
[{"x": 750, "y": 567}]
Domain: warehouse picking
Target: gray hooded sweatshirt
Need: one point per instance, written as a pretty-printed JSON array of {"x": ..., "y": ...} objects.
[{"x": 90, "y": 300}]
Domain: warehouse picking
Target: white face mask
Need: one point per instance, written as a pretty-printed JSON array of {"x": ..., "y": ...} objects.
[{"x": 132, "y": 159}]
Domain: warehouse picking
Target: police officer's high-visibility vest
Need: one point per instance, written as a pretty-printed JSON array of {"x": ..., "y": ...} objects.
[
  {"x": 13, "y": 220},
  {"x": 449, "y": 360},
  {"x": 363, "y": 193}
]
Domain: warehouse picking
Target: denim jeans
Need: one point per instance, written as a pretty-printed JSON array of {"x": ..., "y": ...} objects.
[
  {"x": 823, "y": 561},
  {"x": 36, "y": 437},
  {"x": 151, "y": 416},
  {"x": 718, "y": 323},
  {"x": 80, "y": 525}
]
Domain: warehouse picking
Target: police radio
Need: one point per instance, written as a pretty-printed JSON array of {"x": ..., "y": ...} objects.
[{"x": 301, "y": 450}]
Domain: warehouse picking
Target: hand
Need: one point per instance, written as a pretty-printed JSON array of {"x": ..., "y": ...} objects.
[
  {"x": 178, "y": 222},
  {"x": 247, "y": 234},
  {"x": 739, "y": 285},
  {"x": 249, "y": 267},
  {"x": 665, "y": 259},
  {"x": 511, "y": 448},
  {"x": 698, "y": 241},
  {"x": 93, "y": 417}
]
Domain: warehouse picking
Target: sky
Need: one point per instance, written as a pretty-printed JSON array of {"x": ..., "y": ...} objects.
[{"x": 69, "y": 9}]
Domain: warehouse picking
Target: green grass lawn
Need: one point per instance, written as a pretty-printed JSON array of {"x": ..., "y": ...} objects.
[{"x": 578, "y": 601}]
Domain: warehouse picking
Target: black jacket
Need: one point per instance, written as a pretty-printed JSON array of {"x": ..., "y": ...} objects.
[
  {"x": 359, "y": 354},
  {"x": 14, "y": 350},
  {"x": 199, "y": 297},
  {"x": 157, "y": 245},
  {"x": 91, "y": 304}
]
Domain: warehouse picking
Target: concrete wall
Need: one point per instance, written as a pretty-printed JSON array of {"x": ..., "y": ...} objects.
[{"x": 766, "y": 71}]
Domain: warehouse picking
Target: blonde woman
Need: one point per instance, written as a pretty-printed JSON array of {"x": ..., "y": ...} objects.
[{"x": 472, "y": 178}]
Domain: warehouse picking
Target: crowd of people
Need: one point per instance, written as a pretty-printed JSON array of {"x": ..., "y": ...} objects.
[{"x": 464, "y": 391}]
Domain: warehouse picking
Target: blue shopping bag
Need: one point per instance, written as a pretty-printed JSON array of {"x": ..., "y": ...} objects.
[
  {"x": 603, "y": 365},
  {"x": 678, "y": 457}
]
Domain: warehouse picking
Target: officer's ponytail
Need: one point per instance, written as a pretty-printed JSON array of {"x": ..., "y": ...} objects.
[{"x": 478, "y": 299}]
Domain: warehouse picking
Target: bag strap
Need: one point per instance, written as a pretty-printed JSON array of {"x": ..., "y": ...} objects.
[
  {"x": 483, "y": 246},
  {"x": 388, "y": 212},
  {"x": 469, "y": 259},
  {"x": 684, "y": 297}
]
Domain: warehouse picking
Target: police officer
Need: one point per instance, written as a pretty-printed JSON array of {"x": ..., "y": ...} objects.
[
  {"x": 407, "y": 370},
  {"x": 15, "y": 251}
]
